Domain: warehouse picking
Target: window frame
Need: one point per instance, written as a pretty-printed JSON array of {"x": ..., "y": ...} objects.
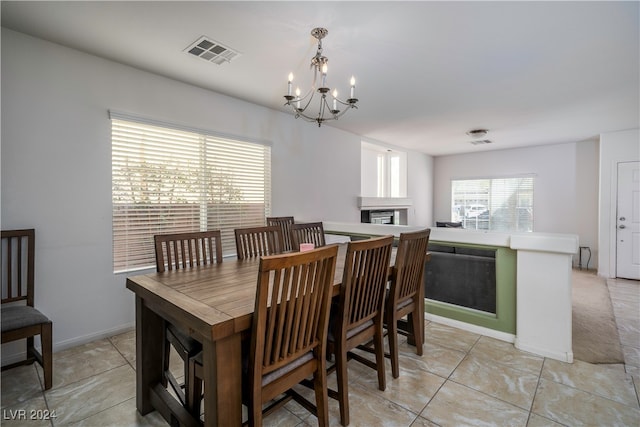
[
  {"x": 220, "y": 187},
  {"x": 495, "y": 216}
]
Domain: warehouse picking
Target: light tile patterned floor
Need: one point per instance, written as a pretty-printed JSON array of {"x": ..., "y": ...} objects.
[{"x": 462, "y": 379}]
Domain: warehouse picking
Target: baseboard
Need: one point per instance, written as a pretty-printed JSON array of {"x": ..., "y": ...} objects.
[
  {"x": 73, "y": 342},
  {"x": 502, "y": 336},
  {"x": 15, "y": 354},
  {"x": 561, "y": 356}
]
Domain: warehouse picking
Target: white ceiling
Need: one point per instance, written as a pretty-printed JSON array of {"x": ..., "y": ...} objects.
[{"x": 531, "y": 73}]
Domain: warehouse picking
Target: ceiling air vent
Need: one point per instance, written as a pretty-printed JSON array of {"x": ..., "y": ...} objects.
[
  {"x": 211, "y": 51},
  {"x": 480, "y": 141}
]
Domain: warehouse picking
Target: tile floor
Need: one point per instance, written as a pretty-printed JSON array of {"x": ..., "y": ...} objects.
[{"x": 462, "y": 379}]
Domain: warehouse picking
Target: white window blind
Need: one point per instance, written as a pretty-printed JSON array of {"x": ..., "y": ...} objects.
[
  {"x": 500, "y": 204},
  {"x": 168, "y": 180}
]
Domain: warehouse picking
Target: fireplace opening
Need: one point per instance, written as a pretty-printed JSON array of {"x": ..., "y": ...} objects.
[{"x": 375, "y": 216}]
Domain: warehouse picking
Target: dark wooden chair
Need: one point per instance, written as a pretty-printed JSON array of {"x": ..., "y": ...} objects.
[
  {"x": 258, "y": 241},
  {"x": 358, "y": 316},
  {"x": 289, "y": 331},
  {"x": 311, "y": 232},
  {"x": 175, "y": 252},
  {"x": 406, "y": 294},
  {"x": 284, "y": 222},
  {"x": 20, "y": 321}
]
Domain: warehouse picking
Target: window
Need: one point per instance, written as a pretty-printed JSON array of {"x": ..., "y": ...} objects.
[
  {"x": 499, "y": 204},
  {"x": 383, "y": 171},
  {"x": 172, "y": 180}
]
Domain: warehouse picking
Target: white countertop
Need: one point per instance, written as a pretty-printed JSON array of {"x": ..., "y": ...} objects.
[{"x": 542, "y": 242}]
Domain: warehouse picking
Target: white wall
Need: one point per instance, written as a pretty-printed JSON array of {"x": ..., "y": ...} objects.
[
  {"x": 369, "y": 172},
  {"x": 565, "y": 184},
  {"x": 56, "y": 169},
  {"x": 615, "y": 147},
  {"x": 420, "y": 189}
]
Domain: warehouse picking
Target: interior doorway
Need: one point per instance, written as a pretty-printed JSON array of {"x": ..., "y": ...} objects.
[{"x": 628, "y": 221}]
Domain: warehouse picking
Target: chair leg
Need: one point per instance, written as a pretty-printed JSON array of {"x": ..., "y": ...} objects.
[
  {"x": 166, "y": 348},
  {"x": 343, "y": 389},
  {"x": 255, "y": 411},
  {"x": 392, "y": 326},
  {"x": 194, "y": 391},
  {"x": 322, "y": 397},
  {"x": 380, "y": 363},
  {"x": 46, "y": 338},
  {"x": 417, "y": 319}
]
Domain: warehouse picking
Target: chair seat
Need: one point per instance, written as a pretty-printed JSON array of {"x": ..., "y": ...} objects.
[
  {"x": 16, "y": 317},
  {"x": 401, "y": 304},
  {"x": 272, "y": 376},
  {"x": 351, "y": 332}
]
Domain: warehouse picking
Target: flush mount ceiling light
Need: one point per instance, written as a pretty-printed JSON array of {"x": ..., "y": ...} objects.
[
  {"x": 477, "y": 133},
  {"x": 300, "y": 104}
]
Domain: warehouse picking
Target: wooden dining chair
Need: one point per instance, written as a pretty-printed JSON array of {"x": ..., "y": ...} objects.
[
  {"x": 358, "y": 316},
  {"x": 406, "y": 294},
  {"x": 258, "y": 241},
  {"x": 284, "y": 222},
  {"x": 311, "y": 232},
  {"x": 20, "y": 320},
  {"x": 289, "y": 331},
  {"x": 175, "y": 252}
]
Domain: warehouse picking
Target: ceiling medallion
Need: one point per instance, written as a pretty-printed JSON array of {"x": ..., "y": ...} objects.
[{"x": 301, "y": 104}]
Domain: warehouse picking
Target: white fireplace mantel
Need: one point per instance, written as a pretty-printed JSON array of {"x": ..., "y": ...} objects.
[{"x": 384, "y": 202}]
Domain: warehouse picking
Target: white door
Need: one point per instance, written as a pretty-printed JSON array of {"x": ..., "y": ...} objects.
[{"x": 628, "y": 221}]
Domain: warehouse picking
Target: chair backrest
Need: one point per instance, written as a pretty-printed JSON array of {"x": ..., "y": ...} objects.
[
  {"x": 409, "y": 267},
  {"x": 18, "y": 265},
  {"x": 364, "y": 281},
  {"x": 311, "y": 232},
  {"x": 284, "y": 222},
  {"x": 187, "y": 250},
  {"x": 258, "y": 241},
  {"x": 291, "y": 315}
]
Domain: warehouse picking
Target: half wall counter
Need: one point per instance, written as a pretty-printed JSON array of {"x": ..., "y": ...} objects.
[{"x": 512, "y": 287}]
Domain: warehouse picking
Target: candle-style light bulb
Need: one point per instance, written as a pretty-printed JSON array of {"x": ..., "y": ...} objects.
[
  {"x": 353, "y": 86},
  {"x": 335, "y": 96},
  {"x": 298, "y": 97},
  {"x": 324, "y": 74},
  {"x": 289, "y": 84}
]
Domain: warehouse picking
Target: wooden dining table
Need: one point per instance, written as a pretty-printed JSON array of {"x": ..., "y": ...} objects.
[{"x": 215, "y": 304}]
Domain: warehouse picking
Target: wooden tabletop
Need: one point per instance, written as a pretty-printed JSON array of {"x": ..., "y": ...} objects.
[{"x": 215, "y": 300}]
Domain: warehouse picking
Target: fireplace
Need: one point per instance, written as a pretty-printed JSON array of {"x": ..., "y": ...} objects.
[
  {"x": 377, "y": 216},
  {"x": 384, "y": 210}
]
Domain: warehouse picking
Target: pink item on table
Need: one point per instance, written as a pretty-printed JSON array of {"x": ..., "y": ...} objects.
[{"x": 306, "y": 247}]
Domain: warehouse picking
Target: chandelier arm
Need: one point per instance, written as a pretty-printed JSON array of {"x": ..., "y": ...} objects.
[
  {"x": 347, "y": 102},
  {"x": 310, "y": 94}
]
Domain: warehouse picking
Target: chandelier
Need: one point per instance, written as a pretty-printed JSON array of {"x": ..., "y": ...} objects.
[{"x": 300, "y": 104}]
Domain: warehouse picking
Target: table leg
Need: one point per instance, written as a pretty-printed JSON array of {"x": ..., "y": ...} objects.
[
  {"x": 223, "y": 369},
  {"x": 149, "y": 341}
]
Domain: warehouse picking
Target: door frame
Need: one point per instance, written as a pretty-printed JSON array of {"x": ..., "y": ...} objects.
[
  {"x": 614, "y": 147},
  {"x": 614, "y": 218}
]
